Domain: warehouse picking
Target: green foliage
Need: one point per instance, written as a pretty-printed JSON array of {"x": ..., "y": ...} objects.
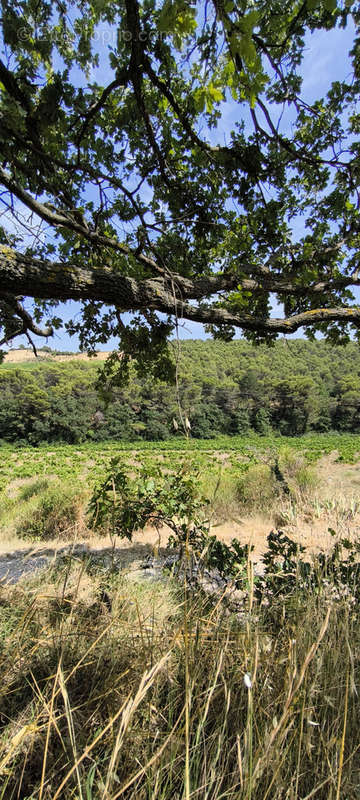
[
  {"x": 230, "y": 388},
  {"x": 208, "y": 421},
  {"x": 146, "y": 347},
  {"x": 231, "y": 561},
  {"x": 70, "y": 463},
  {"x": 147, "y": 135},
  {"x": 261, "y": 423},
  {"x": 33, "y": 489},
  {"x": 286, "y": 572},
  {"x": 123, "y": 505},
  {"x": 54, "y": 516},
  {"x": 297, "y": 475},
  {"x": 257, "y": 487},
  {"x": 236, "y": 474}
]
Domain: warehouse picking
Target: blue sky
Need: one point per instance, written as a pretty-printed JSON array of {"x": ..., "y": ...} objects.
[{"x": 325, "y": 60}]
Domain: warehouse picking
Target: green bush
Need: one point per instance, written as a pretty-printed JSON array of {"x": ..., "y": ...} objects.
[
  {"x": 300, "y": 478},
  {"x": 261, "y": 422},
  {"x": 55, "y": 515},
  {"x": 221, "y": 489},
  {"x": 33, "y": 489},
  {"x": 257, "y": 488},
  {"x": 123, "y": 505}
]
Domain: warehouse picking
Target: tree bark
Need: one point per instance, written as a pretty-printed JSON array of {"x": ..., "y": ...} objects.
[{"x": 47, "y": 280}]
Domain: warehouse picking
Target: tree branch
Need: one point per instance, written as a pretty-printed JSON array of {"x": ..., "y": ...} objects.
[
  {"x": 17, "y": 311},
  {"x": 120, "y": 81},
  {"x": 166, "y": 92},
  {"x": 9, "y": 81},
  {"x": 45, "y": 280},
  {"x": 61, "y": 219}
]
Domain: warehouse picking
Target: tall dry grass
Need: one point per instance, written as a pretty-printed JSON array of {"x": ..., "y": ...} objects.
[{"x": 112, "y": 689}]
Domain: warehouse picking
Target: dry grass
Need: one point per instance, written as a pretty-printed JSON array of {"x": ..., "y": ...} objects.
[
  {"x": 113, "y": 689},
  {"x": 20, "y": 356}
]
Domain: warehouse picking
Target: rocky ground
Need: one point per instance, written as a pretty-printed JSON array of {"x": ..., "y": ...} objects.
[{"x": 22, "y": 563}]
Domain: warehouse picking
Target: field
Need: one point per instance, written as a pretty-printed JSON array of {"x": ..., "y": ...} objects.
[
  {"x": 238, "y": 476},
  {"x": 68, "y": 459},
  {"x": 115, "y": 687},
  {"x": 22, "y": 357}
]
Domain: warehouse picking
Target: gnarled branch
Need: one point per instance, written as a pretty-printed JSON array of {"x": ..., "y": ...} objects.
[{"x": 168, "y": 294}]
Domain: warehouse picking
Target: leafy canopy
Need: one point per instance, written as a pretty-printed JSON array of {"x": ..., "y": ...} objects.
[{"x": 163, "y": 158}]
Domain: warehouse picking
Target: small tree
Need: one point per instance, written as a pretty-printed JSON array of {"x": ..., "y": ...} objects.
[{"x": 121, "y": 505}]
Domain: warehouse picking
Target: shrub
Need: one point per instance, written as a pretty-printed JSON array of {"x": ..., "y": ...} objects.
[
  {"x": 257, "y": 488},
  {"x": 221, "y": 489},
  {"x": 299, "y": 475},
  {"x": 56, "y": 515},
  {"x": 208, "y": 421},
  {"x": 261, "y": 422},
  {"x": 122, "y": 505},
  {"x": 33, "y": 489}
]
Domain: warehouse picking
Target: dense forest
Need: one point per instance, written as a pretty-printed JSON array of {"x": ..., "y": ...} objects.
[{"x": 223, "y": 388}]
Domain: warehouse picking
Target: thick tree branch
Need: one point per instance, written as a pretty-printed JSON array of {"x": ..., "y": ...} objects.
[
  {"x": 28, "y": 321},
  {"x": 248, "y": 322},
  {"x": 267, "y": 280},
  {"x": 45, "y": 279},
  {"x": 55, "y": 280}
]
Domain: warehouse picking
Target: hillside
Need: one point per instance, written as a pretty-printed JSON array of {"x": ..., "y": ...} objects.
[
  {"x": 223, "y": 388},
  {"x": 26, "y": 355}
]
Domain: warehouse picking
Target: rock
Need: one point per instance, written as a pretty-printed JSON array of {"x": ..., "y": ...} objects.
[{"x": 141, "y": 575}]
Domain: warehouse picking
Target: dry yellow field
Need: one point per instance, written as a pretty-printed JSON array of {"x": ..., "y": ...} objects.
[{"x": 20, "y": 356}]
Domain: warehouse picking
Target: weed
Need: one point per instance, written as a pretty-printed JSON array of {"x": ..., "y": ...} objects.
[
  {"x": 257, "y": 488},
  {"x": 299, "y": 475}
]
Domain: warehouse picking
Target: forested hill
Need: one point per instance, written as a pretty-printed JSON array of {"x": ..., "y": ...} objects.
[{"x": 223, "y": 388}]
